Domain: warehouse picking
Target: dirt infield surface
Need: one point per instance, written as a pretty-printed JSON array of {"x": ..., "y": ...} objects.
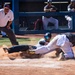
[
  {"x": 47, "y": 65},
  {"x": 42, "y": 66}
]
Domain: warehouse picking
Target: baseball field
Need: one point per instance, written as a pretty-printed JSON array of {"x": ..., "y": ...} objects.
[{"x": 46, "y": 65}]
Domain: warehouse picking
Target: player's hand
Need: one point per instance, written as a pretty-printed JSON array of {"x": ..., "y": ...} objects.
[{"x": 8, "y": 27}]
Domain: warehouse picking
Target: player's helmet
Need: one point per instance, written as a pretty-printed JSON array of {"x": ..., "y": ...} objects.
[{"x": 47, "y": 35}]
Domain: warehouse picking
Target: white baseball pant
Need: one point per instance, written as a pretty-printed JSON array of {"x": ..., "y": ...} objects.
[
  {"x": 60, "y": 41},
  {"x": 70, "y": 24},
  {"x": 51, "y": 20},
  {"x": 69, "y": 19}
]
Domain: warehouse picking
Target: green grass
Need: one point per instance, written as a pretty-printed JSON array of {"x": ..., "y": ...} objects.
[{"x": 6, "y": 41}]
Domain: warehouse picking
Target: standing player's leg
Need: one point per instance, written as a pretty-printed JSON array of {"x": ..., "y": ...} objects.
[
  {"x": 11, "y": 35},
  {"x": 70, "y": 24}
]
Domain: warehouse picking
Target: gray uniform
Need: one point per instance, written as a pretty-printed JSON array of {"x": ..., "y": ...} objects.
[
  {"x": 47, "y": 19},
  {"x": 62, "y": 41}
]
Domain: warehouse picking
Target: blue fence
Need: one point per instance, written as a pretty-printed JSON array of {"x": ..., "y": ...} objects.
[{"x": 17, "y": 14}]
